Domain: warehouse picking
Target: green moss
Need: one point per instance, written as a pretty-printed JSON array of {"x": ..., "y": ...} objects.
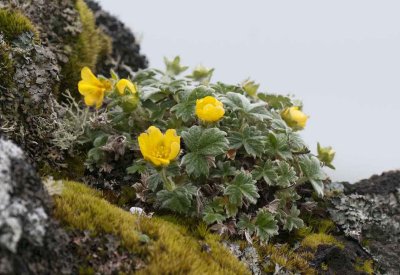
[
  {"x": 172, "y": 249},
  {"x": 13, "y": 23},
  {"x": 6, "y": 67},
  {"x": 316, "y": 239},
  {"x": 365, "y": 266},
  {"x": 90, "y": 46},
  {"x": 284, "y": 256}
]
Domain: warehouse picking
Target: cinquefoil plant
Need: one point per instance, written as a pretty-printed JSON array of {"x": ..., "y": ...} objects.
[{"x": 225, "y": 153}]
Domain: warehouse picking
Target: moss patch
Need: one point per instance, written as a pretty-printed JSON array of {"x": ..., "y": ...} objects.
[
  {"x": 286, "y": 257},
  {"x": 6, "y": 68},
  {"x": 89, "y": 47},
  {"x": 365, "y": 266},
  {"x": 13, "y": 23},
  {"x": 172, "y": 249},
  {"x": 316, "y": 239}
]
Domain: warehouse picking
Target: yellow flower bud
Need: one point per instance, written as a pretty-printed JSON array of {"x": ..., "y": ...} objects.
[
  {"x": 326, "y": 155},
  {"x": 125, "y": 83},
  {"x": 92, "y": 88},
  {"x": 159, "y": 148},
  {"x": 294, "y": 118},
  {"x": 209, "y": 109}
]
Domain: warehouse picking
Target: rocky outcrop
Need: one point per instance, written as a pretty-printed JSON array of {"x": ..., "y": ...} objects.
[
  {"x": 41, "y": 56},
  {"x": 30, "y": 240},
  {"x": 125, "y": 56},
  {"x": 369, "y": 211}
]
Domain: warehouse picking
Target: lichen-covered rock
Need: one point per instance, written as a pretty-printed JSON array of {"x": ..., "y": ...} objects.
[
  {"x": 30, "y": 240},
  {"x": 41, "y": 56},
  {"x": 369, "y": 211},
  {"x": 125, "y": 56}
]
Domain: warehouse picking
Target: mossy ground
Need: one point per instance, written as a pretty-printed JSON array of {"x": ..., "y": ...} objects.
[
  {"x": 171, "y": 248},
  {"x": 89, "y": 47},
  {"x": 13, "y": 23}
]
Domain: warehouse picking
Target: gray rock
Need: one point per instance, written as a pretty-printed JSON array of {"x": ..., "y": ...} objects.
[
  {"x": 30, "y": 241},
  {"x": 369, "y": 211}
]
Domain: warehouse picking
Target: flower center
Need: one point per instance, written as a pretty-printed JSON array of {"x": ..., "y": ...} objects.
[{"x": 160, "y": 151}]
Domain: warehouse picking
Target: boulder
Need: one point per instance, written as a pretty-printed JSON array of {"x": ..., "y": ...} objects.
[
  {"x": 31, "y": 242},
  {"x": 369, "y": 212}
]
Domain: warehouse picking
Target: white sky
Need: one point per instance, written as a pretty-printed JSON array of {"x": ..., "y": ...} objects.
[{"x": 341, "y": 58}]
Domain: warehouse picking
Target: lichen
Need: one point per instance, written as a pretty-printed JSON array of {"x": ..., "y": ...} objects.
[{"x": 170, "y": 248}]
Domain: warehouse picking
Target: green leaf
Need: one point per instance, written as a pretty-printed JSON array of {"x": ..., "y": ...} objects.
[
  {"x": 138, "y": 167},
  {"x": 242, "y": 187},
  {"x": 286, "y": 174},
  {"x": 196, "y": 164},
  {"x": 210, "y": 142},
  {"x": 266, "y": 171},
  {"x": 201, "y": 145},
  {"x": 276, "y": 101},
  {"x": 238, "y": 102},
  {"x": 245, "y": 223},
  {"x": 250, "y": 138},
  {"x": 277, "y": 145},
  {"x": 178, "y": 200},
  {"x": 212, "y": 217},
  {"x": 292, "y": 219},
  {"x": 224, "y": 169},
  {"x": 312, "y": 171},
  {"x": 213, "y": 212},
  {"x": 266, "y": 225},
  {"x": 186, "y": 108}
]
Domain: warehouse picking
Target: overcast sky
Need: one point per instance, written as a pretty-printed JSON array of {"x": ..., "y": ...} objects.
[{"x": 341, "y": 58}]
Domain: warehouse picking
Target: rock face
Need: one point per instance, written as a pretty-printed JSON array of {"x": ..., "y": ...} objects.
[
  {"x": 369, "y": 211},
  {"x": 125, "y": 55},
  {"x": 30, "y": 241},
  {"x": 42, "y": 58}
]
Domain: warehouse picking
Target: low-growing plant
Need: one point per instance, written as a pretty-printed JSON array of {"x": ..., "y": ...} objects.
[{"x": 226, "y": 153}]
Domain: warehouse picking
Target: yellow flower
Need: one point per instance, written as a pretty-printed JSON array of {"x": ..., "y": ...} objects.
[
  {"x": 125, "y": 83},
  {"x": 159, "y": 148},
  {"x": 92, "y": 88},
  {"x": 294, "y": 118},
  {"x": 209, "y": 109}
]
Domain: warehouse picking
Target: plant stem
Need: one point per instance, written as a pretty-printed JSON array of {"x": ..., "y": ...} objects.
[{"x": 168, "y": 183}]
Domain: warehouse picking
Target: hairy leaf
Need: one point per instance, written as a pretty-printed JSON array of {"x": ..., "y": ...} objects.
[
  {"x": 277, "y": 145},
  {"x": 292, "y": 220},
  {"x": 179, "y": 200},
  {"x": 312, "y": 171},
  {"x": 202, "y": 144},
  {"x": 286, "y": 174},
  {"x": 242, "y": 187},
  {"x": 239, "y": 102},
  {"x": 250, "y": 138},
  {"x": 266, "y": 225},
  {"x": 266, "y": 171}
]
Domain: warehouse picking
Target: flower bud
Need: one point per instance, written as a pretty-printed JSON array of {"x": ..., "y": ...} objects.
[
  {"x": 294, "y": 118},
  {"x": 209, "y": 109},
  {"x": 326, "y": 155},
  {"x": 250, "y": 87}
]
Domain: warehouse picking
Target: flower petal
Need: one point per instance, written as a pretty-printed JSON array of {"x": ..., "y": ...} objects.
[
  {"x": 88, "y": 76},
  {"x": 86, "y": 88}
]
